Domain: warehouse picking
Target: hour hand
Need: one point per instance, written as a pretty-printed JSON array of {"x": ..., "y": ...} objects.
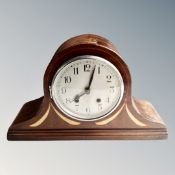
[{"x": 77, "y": 97}]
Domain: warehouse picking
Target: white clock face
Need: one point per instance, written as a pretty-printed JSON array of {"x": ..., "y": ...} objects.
[{"x": 87, "y": 88}]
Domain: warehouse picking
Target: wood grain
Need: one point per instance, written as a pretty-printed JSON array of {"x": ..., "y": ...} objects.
[{"x": 41, "y": 119}]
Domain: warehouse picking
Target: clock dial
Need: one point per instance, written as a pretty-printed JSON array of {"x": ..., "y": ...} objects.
[{"x": 87, "y": 88}]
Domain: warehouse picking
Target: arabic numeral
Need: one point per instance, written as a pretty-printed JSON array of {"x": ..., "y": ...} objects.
[
  {"x": 100, "y": 107},
  {"x": 99, "y": 70},
  {"x": 63, "y": 90},
  {"x": 67, "y": 79},
  {"x": 108, "y": 77},
  {"x": 87, "y": 109},
  {"x": 111, "y": 89},
  {"x": 87, "y": 67},
  {"x": 68, "y": 100},
  {"x": 76, "y": 71}
]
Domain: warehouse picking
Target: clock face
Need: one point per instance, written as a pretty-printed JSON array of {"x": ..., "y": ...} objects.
[{"x": 87, "y": 88}]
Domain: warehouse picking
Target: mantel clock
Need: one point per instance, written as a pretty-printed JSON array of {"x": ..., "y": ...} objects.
[{"x": 87, "y": 95}]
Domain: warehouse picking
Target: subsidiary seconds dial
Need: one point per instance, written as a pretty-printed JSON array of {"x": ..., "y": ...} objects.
[{"x": 87, "y": 88}]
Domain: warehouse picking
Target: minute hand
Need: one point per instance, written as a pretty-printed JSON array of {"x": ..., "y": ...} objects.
[{"x": 91, "y": 78}]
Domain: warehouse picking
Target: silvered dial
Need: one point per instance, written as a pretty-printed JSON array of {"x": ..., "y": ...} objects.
[{"x": 87, "y": 88}]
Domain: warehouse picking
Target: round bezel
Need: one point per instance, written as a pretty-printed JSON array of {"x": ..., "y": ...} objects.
[{"x": 74, "y": 115}]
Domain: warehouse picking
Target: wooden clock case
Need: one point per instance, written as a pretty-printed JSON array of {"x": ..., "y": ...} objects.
[{"x": 41, "y": 119}]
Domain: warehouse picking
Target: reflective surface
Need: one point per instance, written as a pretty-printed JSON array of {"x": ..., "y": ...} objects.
[{"x": 87, "y": 87}]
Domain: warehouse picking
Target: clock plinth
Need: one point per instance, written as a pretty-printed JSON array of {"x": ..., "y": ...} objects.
[{"x": 132, "y": 118}]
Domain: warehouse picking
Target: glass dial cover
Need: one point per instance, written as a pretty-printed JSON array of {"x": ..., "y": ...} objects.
[{"x": 87, "y": 88}]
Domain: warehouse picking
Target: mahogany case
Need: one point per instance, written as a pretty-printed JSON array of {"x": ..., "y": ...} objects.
[{"x": 41, "y": 119}]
